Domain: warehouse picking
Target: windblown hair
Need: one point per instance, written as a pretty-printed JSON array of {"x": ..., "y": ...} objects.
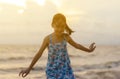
[{"x": 59, "y": 15}]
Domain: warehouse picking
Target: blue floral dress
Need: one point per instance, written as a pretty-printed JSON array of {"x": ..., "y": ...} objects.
[{"x": 58, "y": 65}]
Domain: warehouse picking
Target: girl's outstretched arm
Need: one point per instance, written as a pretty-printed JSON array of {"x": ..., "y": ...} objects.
[
  {"x": 79, "y": 46},
  {"x": 45, "y": 43}
]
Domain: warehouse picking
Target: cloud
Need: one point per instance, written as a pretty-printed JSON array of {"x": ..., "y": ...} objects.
[{"x": 89, "y": 18}]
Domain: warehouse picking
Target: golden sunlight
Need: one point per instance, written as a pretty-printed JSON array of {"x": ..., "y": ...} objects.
[
  {"x": 74, "y": 12},
  {"x": 0, "y": 8},
  {"x": 56, "y": 2},
  {"x": 21, "y": 11},
  {"x": 15, "y": 2},
  {"x": 40, "y": 2}
]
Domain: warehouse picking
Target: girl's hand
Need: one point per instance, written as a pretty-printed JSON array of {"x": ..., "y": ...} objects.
[
  {"x": 24, "y": 73},
  {"x": 92, "y": 47}
]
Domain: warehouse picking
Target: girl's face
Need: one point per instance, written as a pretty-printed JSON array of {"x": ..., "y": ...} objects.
[{"x": 59, "y": 26}]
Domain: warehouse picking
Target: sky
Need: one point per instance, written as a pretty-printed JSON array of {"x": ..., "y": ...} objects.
[{"x": 29, "y": 21}]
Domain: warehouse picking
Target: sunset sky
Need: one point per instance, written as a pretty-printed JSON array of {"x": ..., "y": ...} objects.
[{"x": 29, "y": 21}]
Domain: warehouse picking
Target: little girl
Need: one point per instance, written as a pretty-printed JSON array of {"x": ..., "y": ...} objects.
[{"x": 58, "y": 65}]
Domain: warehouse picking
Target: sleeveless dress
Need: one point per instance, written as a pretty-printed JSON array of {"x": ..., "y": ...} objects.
[{"x": 58, "y": 65}]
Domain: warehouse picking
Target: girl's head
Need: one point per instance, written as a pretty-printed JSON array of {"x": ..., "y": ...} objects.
[{"x": 59, "y": 23}]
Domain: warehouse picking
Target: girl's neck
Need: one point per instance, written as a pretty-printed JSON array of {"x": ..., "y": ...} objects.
[
  {"x": 57, "y": 34},
  {"x": 57, "y": 37}
]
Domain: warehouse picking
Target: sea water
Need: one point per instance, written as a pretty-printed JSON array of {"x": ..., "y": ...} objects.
[{"x": 104, "y": 60}]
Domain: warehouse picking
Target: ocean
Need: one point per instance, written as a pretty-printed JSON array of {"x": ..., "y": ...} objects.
[{"x": 103, "y": 63}]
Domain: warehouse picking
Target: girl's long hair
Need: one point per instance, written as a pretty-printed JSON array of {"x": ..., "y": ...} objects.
[{"x": 59, "y": 15}]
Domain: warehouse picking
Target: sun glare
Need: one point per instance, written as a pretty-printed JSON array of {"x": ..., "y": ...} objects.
[
  {"x": 0, "y": 8},
  {"x": 15, "y": 2},
  {"x": 74, "y": 12},
  {"x": 22, "y": 3},
  {"x": 41, "y": 2},
  {"x": 21, "y": 11},
  {"x": 56, "y": 2}
]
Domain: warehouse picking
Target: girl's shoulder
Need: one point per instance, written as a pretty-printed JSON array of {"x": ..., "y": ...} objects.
[{"x": 46, "y": 38}]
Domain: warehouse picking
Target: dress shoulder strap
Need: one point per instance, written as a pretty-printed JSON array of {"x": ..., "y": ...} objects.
[
  {"x": 50, "y": 38},
  {"x": 64, "y": 39},
  {"x": 64, "y": 36}
]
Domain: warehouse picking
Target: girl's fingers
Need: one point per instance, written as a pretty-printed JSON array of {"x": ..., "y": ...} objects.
[
  {"x": 20, "y": 73},
  {"x": 92, "y": 46},
  {"x": 93, "y": 42},
  {"x": 23, "y": 73}
]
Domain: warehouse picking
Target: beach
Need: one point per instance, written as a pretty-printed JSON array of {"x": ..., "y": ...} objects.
[{"x": 103, "y": 63}]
